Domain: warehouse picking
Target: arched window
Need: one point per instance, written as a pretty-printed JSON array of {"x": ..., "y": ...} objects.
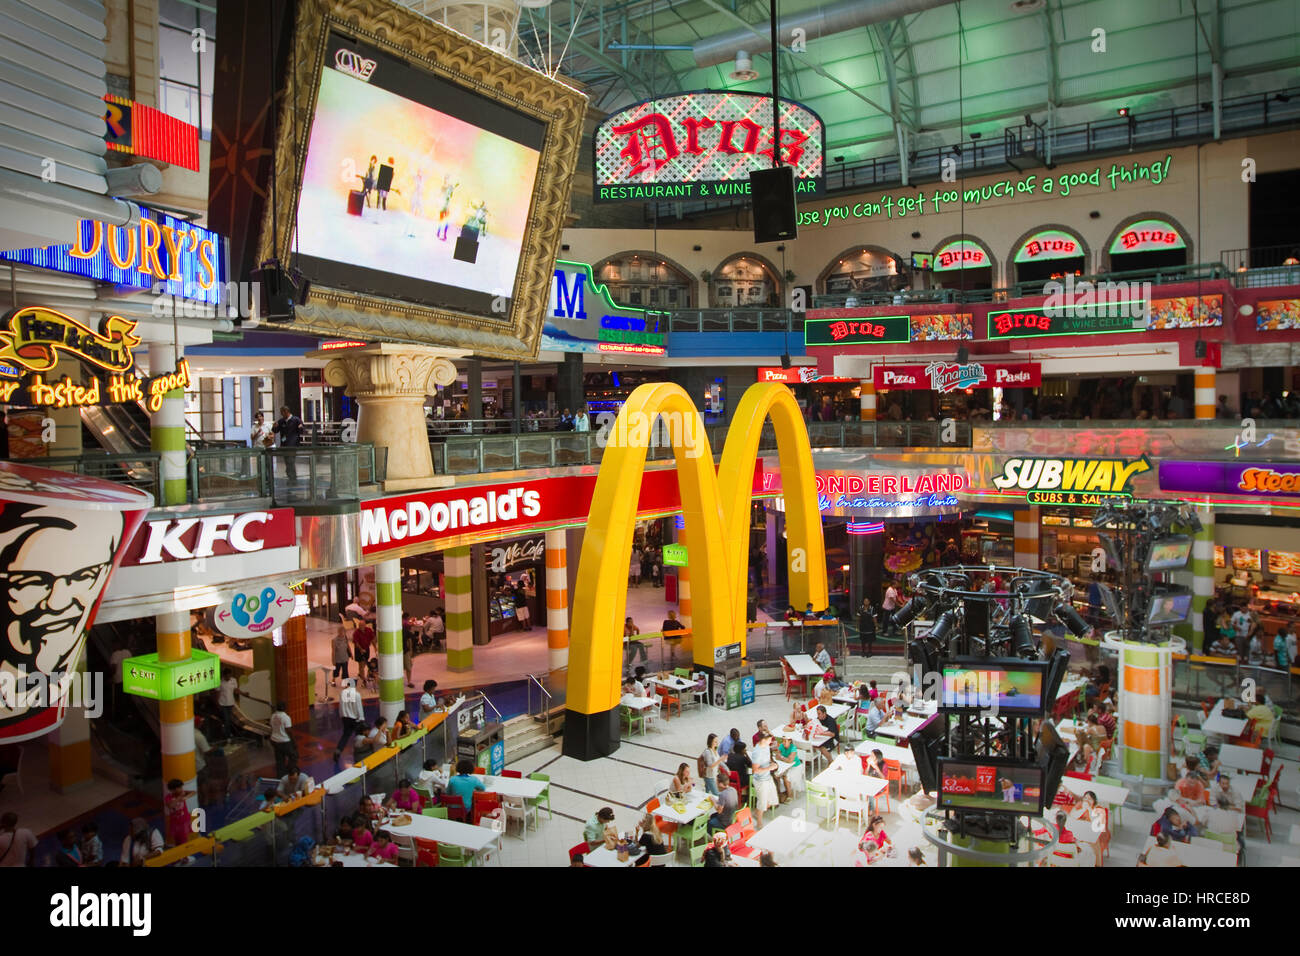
[
  {"x": 963, "y": 262},
  {"x": 1147, "y": 241},
  {"x": 1049, "y": 252},
  {"x": 646, "y": 281},
  {"x": 745, "y": 280},
  {"x": 862, "y": 269}
]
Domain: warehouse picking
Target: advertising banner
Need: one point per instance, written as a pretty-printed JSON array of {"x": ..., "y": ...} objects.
[
  {"x": 948, "y": 377},
  {"x": 62, "y": 537},
  {"x": 1254, "y": 479}
]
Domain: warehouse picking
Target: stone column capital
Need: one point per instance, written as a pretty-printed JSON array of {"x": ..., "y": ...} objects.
[{"x": 388, "y": 370}]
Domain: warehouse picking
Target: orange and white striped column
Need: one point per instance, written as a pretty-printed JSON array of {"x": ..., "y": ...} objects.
[
  {"x": 867, "y": 400},
  {"x": 1026, "y": 549},
  {"x": 684, "y": 597},
  {"x": 1145, "y": 672},
  {"x": 1204, "y": 395},
  {"x": 557, "y": 598},
  {"x": 176, "y": 717}
]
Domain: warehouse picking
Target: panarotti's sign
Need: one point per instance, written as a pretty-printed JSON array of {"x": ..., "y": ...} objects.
[{"x": 949, "y": 377}]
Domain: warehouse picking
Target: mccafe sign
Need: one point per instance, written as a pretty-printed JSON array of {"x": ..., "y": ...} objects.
[
  {"x": 503, "y": 559},
  {"x": 949, "y": 377}
]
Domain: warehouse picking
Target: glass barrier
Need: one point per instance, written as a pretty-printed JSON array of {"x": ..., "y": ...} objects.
[{"x": 227, "y": 474}]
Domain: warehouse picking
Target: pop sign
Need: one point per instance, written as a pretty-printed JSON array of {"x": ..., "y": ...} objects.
[
  {"x": 146, "y": 676},
  {"x": 255, "y": 613}
]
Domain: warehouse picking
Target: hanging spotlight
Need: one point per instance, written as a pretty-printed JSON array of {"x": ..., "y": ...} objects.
[
  {"x": 909, "y": 612},
  {"x": 1073, "y": 620},
  {"x": 744, "y": 71},
  {"x": 943, "y": 627},
  {"x": 1022, "y": 637}
]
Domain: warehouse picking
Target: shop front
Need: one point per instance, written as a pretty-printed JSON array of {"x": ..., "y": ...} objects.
[{"x": 962, "y": 390}]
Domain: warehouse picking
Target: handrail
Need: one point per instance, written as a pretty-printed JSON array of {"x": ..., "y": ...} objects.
[
  {"x": 488, "y": 700},
  {"x": 543, "y": 708}
]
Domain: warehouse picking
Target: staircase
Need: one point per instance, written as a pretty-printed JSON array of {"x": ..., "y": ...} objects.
[
  {"x": 526, "y": 735},
  {"x": 880, "y": 668}
]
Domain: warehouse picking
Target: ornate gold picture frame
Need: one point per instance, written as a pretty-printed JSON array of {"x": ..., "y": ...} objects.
[{"x": 480, "y": 70}]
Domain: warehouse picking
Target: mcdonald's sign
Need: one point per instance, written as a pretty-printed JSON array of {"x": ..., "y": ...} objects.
[{"x": 716, "y": 511}]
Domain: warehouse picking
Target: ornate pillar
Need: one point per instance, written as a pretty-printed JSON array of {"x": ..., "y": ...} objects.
[
  {"x": 457, "y": 581},
  {"x": 176, "y": 717},
  {"x": 391, "y": 382}
]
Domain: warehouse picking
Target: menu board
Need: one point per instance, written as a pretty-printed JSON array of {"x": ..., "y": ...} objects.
[
  {"x": 1219, "y": 560},
  {"x": 1246, "y": 559},
  {"x": 1284, "y": 562},
  {"x": 1058, "y": 521}
]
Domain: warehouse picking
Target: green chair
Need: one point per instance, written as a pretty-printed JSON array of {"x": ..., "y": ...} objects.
[
  {"x": 697, "y": 854},
  {"x": 425, "y": 794},
  {"x": 818, "y": 797},
  {"x": 1117, "y": 808},
  {"x": 631, "y": 718},
  {"x": 439, "y": 813},
  {"x": 545, "y": 795},
  {"x": 452, "y": 855},
  {"x": 698, "y": 832},
  {"x": 682, "y": 672},
  {"x": 1227, "y": 839}
]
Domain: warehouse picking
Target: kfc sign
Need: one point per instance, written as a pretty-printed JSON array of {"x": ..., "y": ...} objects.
[
  {"x": 945, "y": 377},
  {"x": 207, "y": 536}
]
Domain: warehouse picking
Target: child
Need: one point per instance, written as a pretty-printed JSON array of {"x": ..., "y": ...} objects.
[
  {"x": 177, "y": 811},
  {"x": 383, "y": 848},
  {"x": 92, "y": 848}
]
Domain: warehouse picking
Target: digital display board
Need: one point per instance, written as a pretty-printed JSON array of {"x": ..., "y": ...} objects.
[{"x": 997, "y": 786}]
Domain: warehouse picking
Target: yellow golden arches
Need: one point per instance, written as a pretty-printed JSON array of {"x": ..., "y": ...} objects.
[
  {"x": 807, "y": 571},
  {"x": 718, "y": 534}
]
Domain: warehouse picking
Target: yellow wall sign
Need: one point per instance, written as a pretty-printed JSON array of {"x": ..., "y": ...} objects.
[
  {"x": 716, "y": 509},
  {"x": 35, "y": 335}
]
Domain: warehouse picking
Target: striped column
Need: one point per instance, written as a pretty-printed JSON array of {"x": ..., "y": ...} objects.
[
  {"x": 457, "y": 578},
  {"x": 1202, "y": 577},
  {"x": 1205, "y": 400},
  {"x": 167, "y": 427},
  {"x": 1026, "y": 551},
  {"x": 1144, "y": 706},
  {"x": 388, "y": 625},
  {"x": 867, "y": 400},
  {"x": 557, "y": 598},
  {"x": 176, "y": 717}
]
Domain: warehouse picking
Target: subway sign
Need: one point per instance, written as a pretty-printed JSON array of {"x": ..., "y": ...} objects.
[
  {"x": 703, "y": 144},
  {"x": 1086, "y": 482},
  {"x": 571, "y": 326}
]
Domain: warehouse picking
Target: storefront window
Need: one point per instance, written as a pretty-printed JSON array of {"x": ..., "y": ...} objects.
[
  {"x": 1049, "y": 254},
  {"x": 744, "y": 282},
  {"x": 962, "y": 264},
  {"x": 634, "y": 279},
  {"x": 1147, "y": 244},
  {"x": 863, "y": 270}
]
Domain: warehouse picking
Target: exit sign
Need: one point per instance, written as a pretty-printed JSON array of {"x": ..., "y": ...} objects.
[
  {"x": 146, "y": 676},
  {"x": 674, "y": 555}
]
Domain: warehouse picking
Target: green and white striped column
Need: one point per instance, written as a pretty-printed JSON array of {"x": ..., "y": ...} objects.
[
  {"x": 176, "y": 717},
  {"x": 167, "y": 426},
  {"x": 388, "y": 621},
  {"x": 1144, "y": 706},
  {"x": 1202, "y": 577},
  {"x": 457, "y": 576}
]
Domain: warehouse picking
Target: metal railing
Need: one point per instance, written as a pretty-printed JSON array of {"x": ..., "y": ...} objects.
[
  {"x": 1021, "y": 146},
  {"x": 543, "y": 700},
  {"x": 322, "y": 474},
  {"x": 736, "y": 320},
  {"x": 137, "y": 469}
]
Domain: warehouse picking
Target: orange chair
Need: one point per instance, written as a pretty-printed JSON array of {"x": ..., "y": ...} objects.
[
  {"x": 426, "y": 852},
  {"x": 669, "y": 702},
  {"x": 884, "y": 795},
  {"x": 792, "y": 681},
  {"x": 484, "y": 804},
  {"x": 894, "y": 773},
  {"x": 665, "y": 827},
  {"x": 736, "y": 843},
  {"x": 455, "y": 808},
  {"x": 745, "y": 820}
]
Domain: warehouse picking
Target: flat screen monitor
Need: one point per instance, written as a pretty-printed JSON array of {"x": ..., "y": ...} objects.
[
  {"x": 1169, "y": 607},
  {"x": 1008, "y": 685},
  {"x": 1169, "y": 554},
  {"x": 927, "y": 743},
  {"x": 922, "y": 261},
  {"x": 992, "y": 785},
  {"x": 414, "y": 187}
]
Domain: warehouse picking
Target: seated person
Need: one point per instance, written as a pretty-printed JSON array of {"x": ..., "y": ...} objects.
[
  {"x": 362, "y": 837},
  {"x": 343, "y": 836},
  {"x": 876, "y": 831},
  {"x": 874, "y": 764},
  {"x": 1191, "y": 764},
  {"x": 383, "y": 848},
  {"x": 402, "y": 726},
  {"x": 808, "y": 613},
  {"x": 1172, "y": 825},
  {"x": 725, "y": 804},
  {"x": 831, "y": 746},
  {"x": 868, "y": 852},
  {"x": 1223, "y": 647},
  {"x": 829, "y": 614},
  {"x": 1262, "y": 714},
  {"x": 1192, "y": 789},
  {"x": 1210, "y": 762},
  {"x": 465, "y": 783},
  {"x": 865, "y": 700},
  {"x": 1162, "y": 854},
  {"x": 875, "y": 716},
  {"x": 791, "y": 616},
  {"x": 821, "y": 656},
  {"x": 671, "y": 623},
  {"x": 1225, "y": 797},
  {"x": 740, "y": 762},
  {"x": 432, "y": 777},
  {"x": 594, "y": 830},
  {"x": 682, "y": 782},
  {"x": 649, "y": 838},
  {"x": 293, "y": 785},
  {"x": 407, "y": 798},
  {"x": 718, "y": 852}
]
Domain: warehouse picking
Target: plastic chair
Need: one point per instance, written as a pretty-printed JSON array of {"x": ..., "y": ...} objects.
[
  {"x": 406, "y": 852},
  {"x": 452, "y": 855},
  {"x": 668, "y": 701},
  {"x": 481, "y": 770},
  {"x": 894, "y": 774},
  {"x": 698, "y": 833},
  {"x": 1259, "y": 808},
  {"x": 576, "y": 853},
  {"x": 426, "y": 852},
  {"x": 518, "y": 809},
  {"x": 438, "y": 813},
  {"x": 745, "y": 820},
  {"x": 544, "y": 796},
  {"x": 682, "y": 672},
  {"x": 455, "y": 808},
  {"x": 512, "y": 774},
  {"x": 652, "y": 716},
  {"x": 819, "y": 797},
  {"x": 852, "y": 805},
  {"x": 1116, "y": 807},
  {"x": 631, "y": 717},
  {"x": 483, "y": 804},
  {"x": 666, "y": 827},
  {"x": 697, "y": 854}
]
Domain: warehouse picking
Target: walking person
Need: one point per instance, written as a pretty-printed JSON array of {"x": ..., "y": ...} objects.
[
  {"x": 286, "y": 751},
  {"x": 889, "y": 605},
  {"x": 351, "y": 715},
  {"x": 342, "y": 651},
  {"x": 227, "y": 694},
  {"x": 866, "y": 625},
  {"x": 522, "y": 612},
  {"x": 289, "y": 430},
  {"x": 634, "y": 648},
  {"x": 634, "y": 568}
]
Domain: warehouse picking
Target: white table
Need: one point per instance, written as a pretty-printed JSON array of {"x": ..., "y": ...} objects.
[
  {"x": 604, "y": 856},
  {"x": 890, "y": 752},
  {"x": 1070, "y": 685},
  {"x": 819, "y": 734},
  {"x": 783, "y": 834},
  {"x": 851, "y": 786},
  {"x": 901, "y": 731},
  {"x": 1244, "y": 787},
  {"x": 1216, "y": 723},
  {"x": 803, "y": 665},
  {"x": 359, "y": 859},
  {"x": 336, "y": 783},
  {"x": 514, "y": 786},
  {"x": 833, "y": 711},
  {"x": 697, "y": 804},
  {"x": 1194, "y": 855},
  {"x": 454, "y": 832},
  {"x": 672, "y": 683},
  {"x": 1250, "y": 759},
  {"x": 638, "y": 703},
  {"x": 1107, "y": 793}
]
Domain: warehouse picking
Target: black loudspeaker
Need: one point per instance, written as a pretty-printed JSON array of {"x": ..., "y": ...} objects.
[
  {"x": 772, "y": 192},
  {"x": 785, "y": 360},
  {"x": 275, "y": 293},
  {"x": 1200, "y": 348}
]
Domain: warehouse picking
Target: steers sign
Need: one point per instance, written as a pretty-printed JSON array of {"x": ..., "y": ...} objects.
[{"x": 946, "y": 377}]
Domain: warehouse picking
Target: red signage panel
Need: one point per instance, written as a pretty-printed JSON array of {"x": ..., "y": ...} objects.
[{"x": 948, "y": 377}]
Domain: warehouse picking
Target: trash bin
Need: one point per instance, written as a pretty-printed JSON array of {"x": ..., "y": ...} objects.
[{"x": 731, "y": 680}]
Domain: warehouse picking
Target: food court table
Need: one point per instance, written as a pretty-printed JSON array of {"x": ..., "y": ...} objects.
[
  {"x": 903, "y": 729},
  {"x": 782, "y": 835},
  {"x": 446, "y": 831},
  {"x": 803, "y": 665},
  {"x": 672, "y": 683},
  {"x": 696, "y": 804},
  {"x": 849, "y": 785},
  {"x": 513, "y": 786},
  {"x": 1192, "y": 854},
  {"x": 1107, "y": 793},
  {"x": 604, "y": 856},
  {"x": 1216, "y": 723},
  {"x": 1250, "y": 759},
  {"x": 890, "y": 752},
  {"x": 357, "y": 859}
]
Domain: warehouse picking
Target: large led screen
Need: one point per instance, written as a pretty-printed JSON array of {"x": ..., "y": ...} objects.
[{"x": 414, "y": 188}]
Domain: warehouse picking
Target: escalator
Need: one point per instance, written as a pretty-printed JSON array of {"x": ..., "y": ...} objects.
[{"x": 118, "y": 429}]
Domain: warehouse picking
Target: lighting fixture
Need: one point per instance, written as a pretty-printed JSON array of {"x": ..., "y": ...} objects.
[
  {"x": 1022, "y": 637},
  {"x": 1122, "y": 111},
  {"x": 909, "y": 612},
  {"x": 744, "y": 71},
  {"x": 943, "y": 627},
  {"x": 1073, "y": 620}
]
